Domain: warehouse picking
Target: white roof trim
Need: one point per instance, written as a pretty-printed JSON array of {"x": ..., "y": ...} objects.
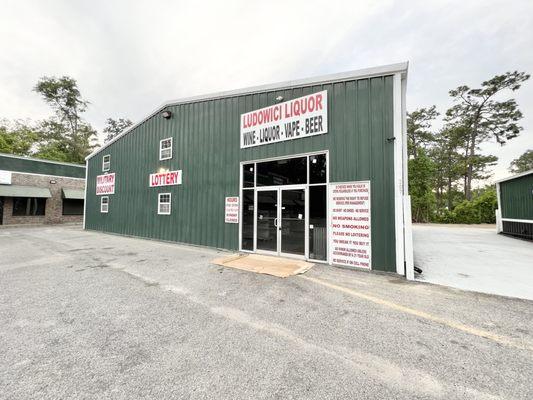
[
  {"x": 41, "y": 160},
  {"x": 390, "y": 69},
  {"x": 515, "y": 176}
]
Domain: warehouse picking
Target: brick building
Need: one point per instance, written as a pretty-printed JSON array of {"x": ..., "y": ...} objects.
[{"x": 34, "y": 191}]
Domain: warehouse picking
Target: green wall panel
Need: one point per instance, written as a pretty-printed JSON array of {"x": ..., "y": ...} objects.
[
  {"x": 207, "y": 149},
  {"x": 35, "y": 166},
  {"x": 517, "y": 198}
]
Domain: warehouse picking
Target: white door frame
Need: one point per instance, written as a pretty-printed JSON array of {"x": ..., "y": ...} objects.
[
  {"x": 255, "y": 188},
  {"x": 279, "y": 226},
  {"x": 267, "y": 189},
  {"x": 304, "y": 256}
]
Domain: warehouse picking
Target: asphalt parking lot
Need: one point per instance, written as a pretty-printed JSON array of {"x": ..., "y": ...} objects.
[
  {"x": 85, "y": 315},
  {"x": 474, "y": 257}
]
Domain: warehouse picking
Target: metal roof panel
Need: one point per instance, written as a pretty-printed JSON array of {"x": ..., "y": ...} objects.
[{"x": 24, "y": 191}]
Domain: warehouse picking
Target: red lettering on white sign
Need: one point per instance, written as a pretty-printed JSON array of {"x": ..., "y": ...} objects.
[
  {"x": 231, "y": 214},
  {"x": 105, "y": 184},
  {"x": 297, "y": 118},
  {"x": 165, "y": 178},
  {"x": 350, "y": 241}
]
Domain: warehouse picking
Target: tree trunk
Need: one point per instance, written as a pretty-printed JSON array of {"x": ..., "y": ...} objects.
[
  {"x": 414, "y": 147},
  {"x": 449, "y": 193},
  {"x": 468, "y": 183},
  {"x": 470, "y": 169}
]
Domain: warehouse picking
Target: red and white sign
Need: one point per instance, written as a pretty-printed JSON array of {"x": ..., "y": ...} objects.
[
  {"x": 105, "y": 184},
  {"x": 165, "y": 178},
  {"x": 349, "y": 223},
  {"x": 293, "y": 119},
  {"x": 232, "y": 210}
]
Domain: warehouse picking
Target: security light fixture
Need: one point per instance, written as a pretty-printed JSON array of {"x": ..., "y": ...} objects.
[
  {"x": 166, "y": 114},
  {"x": 279, "y": 99}
]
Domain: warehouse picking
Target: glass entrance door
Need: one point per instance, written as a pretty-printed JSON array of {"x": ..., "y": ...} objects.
[
  {"x": 281, "y": 222},
  {"x": 293, "y": 221},
  {"x": 284, "y": 206},
  {"x": 267, "y": 220}
]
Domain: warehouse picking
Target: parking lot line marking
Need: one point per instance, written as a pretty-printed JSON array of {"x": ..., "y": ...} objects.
[{"x": 422, "y": 314}]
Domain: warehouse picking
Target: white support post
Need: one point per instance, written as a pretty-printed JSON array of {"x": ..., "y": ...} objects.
[
  {"x": 85, "y": 198},
  {"x": 499, "y": 223},
  {"x": 407, "y": 218},
  {"x": 398, "y": 172},
  {"x": 409, "y": 261}
]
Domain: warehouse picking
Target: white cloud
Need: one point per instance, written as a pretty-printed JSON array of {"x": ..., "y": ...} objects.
[{"x": 130, "y": 56}]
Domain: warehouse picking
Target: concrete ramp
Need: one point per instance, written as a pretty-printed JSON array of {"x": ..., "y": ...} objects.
[
  {"x": 269, "y": 265},
  {"x": 474, "y": 257}
]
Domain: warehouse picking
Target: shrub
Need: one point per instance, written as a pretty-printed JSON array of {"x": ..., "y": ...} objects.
[
  {"x": 478, "y": 211},
  {"x": 486, "y": 205},
  {"x": 466, "y": 213},
  {"x": 444, "y": 217}
]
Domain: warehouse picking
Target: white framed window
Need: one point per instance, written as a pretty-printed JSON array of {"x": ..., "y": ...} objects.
[
  {"x": 104, "y": 204},
  {"x": 163, "y": 204},
  {"x": 106, "y": 162},
  {"x": 165, "y": 149}
]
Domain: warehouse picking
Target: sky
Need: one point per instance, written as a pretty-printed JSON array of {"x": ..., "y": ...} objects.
[{"x": 129, "y": 57}]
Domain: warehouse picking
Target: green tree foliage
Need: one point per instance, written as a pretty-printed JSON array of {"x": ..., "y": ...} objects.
[
  {"x": 484, "y": 118},
  {"x": 66, "y": 136},
  {"x": 63, "y": 95},
  {"x": 450, "y": 160},
  {"x": 419, "y": 129},
  {"x": 18, "y": 137},
  {"x": 449, "y": 165},
  {"x": 523, "y": 163},
  {"x": 58, "y": 143},
  {"x": 480, "y": 210},
  {"x": 467, "y": 166},
  {"x": 421, "y": 177},
  {"x": 115, "y": 127}
]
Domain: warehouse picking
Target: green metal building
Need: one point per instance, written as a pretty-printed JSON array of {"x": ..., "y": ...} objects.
[
  {"x": 313, "y": 169},
  {"x": 515, "y": 205}
]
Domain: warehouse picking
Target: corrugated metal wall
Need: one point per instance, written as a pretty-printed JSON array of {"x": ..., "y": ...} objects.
[
  {"x": 207, "y": 149},
  {"x": 517, "y": 198}
]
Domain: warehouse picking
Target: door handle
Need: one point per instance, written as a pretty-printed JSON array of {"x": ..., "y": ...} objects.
[{"x": 276, "y": 222}]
